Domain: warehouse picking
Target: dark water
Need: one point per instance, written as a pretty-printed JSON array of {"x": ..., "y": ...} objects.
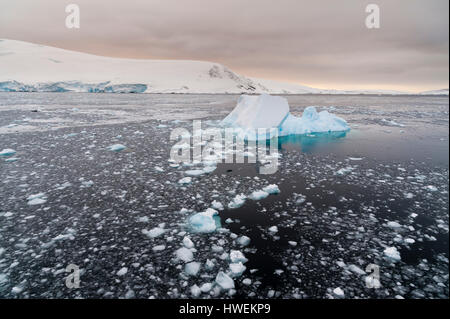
[{"x": 396, "y": 149}]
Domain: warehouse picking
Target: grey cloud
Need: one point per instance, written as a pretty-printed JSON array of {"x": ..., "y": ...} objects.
[{"x": 322, "y": 43}]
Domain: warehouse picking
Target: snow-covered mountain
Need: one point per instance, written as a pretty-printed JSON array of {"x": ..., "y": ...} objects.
[{"x": 32, "y": 67}]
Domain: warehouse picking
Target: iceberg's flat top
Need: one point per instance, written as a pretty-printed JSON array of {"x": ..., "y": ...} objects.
[{"x": 253, "y": 112}]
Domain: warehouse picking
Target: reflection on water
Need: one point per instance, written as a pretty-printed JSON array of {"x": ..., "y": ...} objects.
[{"x": 308, "y": 142}]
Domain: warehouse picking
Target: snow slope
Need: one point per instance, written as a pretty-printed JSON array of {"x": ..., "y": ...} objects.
[
  {"x": 435, "y": 92},
  {"x": 32, "y": 67}
]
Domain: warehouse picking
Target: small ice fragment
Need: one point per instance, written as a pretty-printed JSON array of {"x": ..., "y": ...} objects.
[
  {"x": 356, "y": 270},
  {"x": 237, "y": 269},
  {"x": 431, "y": 188},
  {"x": 184, "y": 254},
  {"x": 392, "y": 253},
  {"x": 243, "y": 240},
  {"x": 292, "y": 243},
  {"x": 122, "y": 271},
  {"x": 154, "y": 232},
  {"x": 338, "y": 292},
  {"x": 393, "y": 225},
  {"x": 116, "y": 147},
  {"x": 185, "y": 180},
  {"x": 7, "y": 152},
  {"x": 237, "y": 256},
  {"x": 273, "y": 229},
  {"x": 195, "y": 291},
  {"x": 237, "y": 201},
  {"x": 206, "y": 287},
  {"x": 159, "y": 247},
  {"x": 187, "y": 242},
  {"x": 258, "y": 195},
  {"x": 224, "y": 281},
  {"x": 247, "y": 281},
  {"x": 37, "y": 199},
  {"x": 217, "y": 205},
  {"x": 194, "y": 172},
  {"x": 192, "y": 268},
  {"x": 272, "y": 189}
]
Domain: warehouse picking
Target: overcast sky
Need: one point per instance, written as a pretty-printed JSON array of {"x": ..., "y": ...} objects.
[{"x": 321, "y": 43}]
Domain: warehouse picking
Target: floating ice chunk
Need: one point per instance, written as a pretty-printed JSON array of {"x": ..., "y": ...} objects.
[
  {"x": 345, "y": 170},
  {"x": 187, "y": 242},
  {"x": 11, "y": 159},
  {"x": 393, "y": 225},
  {"x": 356, "y": 270},
  {"x": 224, "y": 281},
  {"x": 154, "y": 232},
  {"x": 338, "y": 292},
  {"x": 209, "y": 264},
  {"x": 247, "y": 281},
  {"x": 392, "y": 254},
  {"x": 116, "y": 147},
  {"x": 185, "y": 180},
  {"x": 431, "y": 188},
  {"x": 312, "y": 122},
  {"x": 237, "y": 201},
  {"x": 130, "y": 294},
  {"x": 7, "y": 152},
  {"x": 273, "y": 229},
  {"x": 217, "y": 205},
  {"x": 195, "y": 291},
  {"x": 237, "y": 269},
  {"x": 159, "y": 248},
  {"x": 237, "y": 256},
  {"x": 292, "y": 243},
  {"x": 356, "y": 158},
  {"x": 122, "y": 271},
  {"x": 391, "y": 123},
  {"x": 206, "y": 287},
  {"x": 409, "y": 241},
  {"x": 271, "y": 189},
  {"x": 209, "y": 169},
  {"x": 192, "y": 268},
  {"x": 257, "y": 195},
  {"x": 243, "y": 240},
  {"x": 194, "y": 172},
  {"x": 37, "y": 199},
  {"x": 203, "y": 222},
  {"x": 184, "y": 254}
]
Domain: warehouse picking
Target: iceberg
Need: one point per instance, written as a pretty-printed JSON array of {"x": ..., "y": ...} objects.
[
  {"x": 7, "y": 152},
  {"x": 272, "y": 112}
]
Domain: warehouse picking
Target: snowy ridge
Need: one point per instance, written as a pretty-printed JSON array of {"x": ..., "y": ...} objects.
[
  {"x": 435, "y": 92},
  {"x": 28, "y": 67}
]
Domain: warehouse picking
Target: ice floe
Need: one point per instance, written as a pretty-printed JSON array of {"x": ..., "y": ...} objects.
[{"x": 203, "y": 222}]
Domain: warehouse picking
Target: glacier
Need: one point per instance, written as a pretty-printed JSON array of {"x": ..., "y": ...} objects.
[
  {"x": 72, "y": 86},
  {"x": 253, "y": 113}
]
